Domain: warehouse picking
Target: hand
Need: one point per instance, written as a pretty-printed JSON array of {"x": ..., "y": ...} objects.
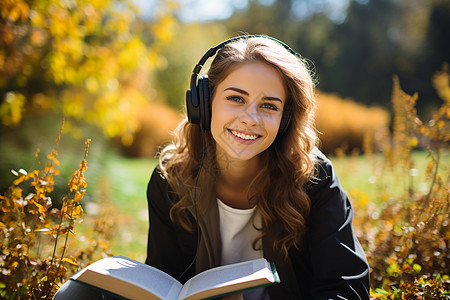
[{"x": 238, "y": 296}]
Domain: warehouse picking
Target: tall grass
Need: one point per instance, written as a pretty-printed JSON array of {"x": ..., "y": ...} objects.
[
  {"x": 37, "y": 255},
  {"x": 404, "y": 225}
]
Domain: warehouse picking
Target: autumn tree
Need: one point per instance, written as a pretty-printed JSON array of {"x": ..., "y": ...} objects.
[{"x": 90, "y": 61}]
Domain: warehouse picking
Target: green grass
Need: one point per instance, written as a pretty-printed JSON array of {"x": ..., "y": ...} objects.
[
  {"x": 370, "y": 175},
  {"x": 128, "y": 179}
]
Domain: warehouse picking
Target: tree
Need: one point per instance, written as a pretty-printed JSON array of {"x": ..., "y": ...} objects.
[
  {"x": 356, "y": 56},
  {"x": 90, "y": 61}
]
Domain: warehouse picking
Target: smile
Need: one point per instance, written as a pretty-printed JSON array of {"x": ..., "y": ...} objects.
[{"x": 247, "y": 137}]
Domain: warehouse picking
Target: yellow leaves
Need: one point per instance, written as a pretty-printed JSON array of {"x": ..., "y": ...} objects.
[
  {"x": 12, "y": 108},
  {"x": 165, "y": 24},
  {"x": 26, "y": 176},
  {"x": 71, "y": 207},
  {"x": 71, "y": 41},
  {"x": 417, "y": 268},
  {"x": 92, "y": 85},
  {"x": 27, "y": 220},
  {"x": 62, "y": 22},
  {"x": 52, "y": 157},
  {"x": 407, "y": 233},
  {"x": 406, "y": 123},
  {"x": 413, "y": 142},
  {"x": 40, "y": 207},
  {"x": 37, "y": 19},
  {"x": 70, "y": 261},
  {"x": 360, "y": 198},
  {"x": 73, "y": 105},
  {"x": 72, "y": 211},
  {"x": 132, "y": 54},
  {"x": 354, "y": 123},
  {"x": 441, "y": 82},
  {"x": 164, "y": 28},
  {"x": 14, "y": 10}
]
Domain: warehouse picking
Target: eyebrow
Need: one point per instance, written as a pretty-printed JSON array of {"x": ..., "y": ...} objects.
[{"x": 241, "y": 91}]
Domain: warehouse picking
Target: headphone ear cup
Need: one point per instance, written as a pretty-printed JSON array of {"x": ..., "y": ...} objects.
[
  {"x": 205, "y": 102},
  {"x": 192, "y": 103}
]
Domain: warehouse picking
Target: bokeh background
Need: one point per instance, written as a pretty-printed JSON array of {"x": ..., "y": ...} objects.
[{"x": 116, "y": 72}]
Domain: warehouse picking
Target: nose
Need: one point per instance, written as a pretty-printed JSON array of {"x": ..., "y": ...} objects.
[{"x": 249, "y": 116}]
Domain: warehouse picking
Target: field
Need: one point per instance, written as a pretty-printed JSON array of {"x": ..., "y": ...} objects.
[
  {"x": 128, "y": 181},
  {"x": 398, "y": 184}
]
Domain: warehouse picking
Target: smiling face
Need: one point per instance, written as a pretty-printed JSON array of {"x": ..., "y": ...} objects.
[{"x": 246, "y": 111}]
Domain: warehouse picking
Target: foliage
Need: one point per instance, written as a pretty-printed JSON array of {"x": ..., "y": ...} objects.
[
  {"x": 351, "y": 127},
  {"x": 156, "y": 121},
  {"x": 29, "y": 224},
  {"x": 172, "y": 79},
  {"x": 88, "y": 60},
  {"x": 406, "y": 231}
]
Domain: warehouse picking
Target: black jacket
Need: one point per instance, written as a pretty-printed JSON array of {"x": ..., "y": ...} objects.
[{"x": 331, "y": 263}]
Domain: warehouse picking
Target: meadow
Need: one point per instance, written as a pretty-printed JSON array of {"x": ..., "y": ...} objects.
[{"x": 398, "y": 183}]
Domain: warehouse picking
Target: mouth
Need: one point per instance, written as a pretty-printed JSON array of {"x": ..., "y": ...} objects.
[{"x": 244, "y": 136}]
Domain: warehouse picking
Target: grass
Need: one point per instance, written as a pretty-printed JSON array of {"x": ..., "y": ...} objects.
[
  {"x": 128, "y": 179},
  {"x": 368, "y": 175}
]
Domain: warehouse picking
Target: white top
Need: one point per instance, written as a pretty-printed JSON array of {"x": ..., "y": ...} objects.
[{"x": 237, "y": 229}]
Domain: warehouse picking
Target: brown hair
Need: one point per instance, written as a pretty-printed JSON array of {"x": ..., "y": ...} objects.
[{"x": 277, "y": 190}]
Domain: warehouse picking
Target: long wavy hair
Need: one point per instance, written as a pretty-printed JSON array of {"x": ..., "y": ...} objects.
[{"x": 287, "y": 164}]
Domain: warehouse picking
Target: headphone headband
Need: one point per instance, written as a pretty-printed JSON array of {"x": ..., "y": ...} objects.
[{"x": 213, "y": 50}]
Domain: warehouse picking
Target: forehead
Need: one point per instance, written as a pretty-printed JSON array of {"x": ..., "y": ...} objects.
[{"x": 255, "y": 77}]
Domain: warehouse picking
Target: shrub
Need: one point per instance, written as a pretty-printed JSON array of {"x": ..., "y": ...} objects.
[
  {"x": 156, "y": 121},
  {"x": 35, "y": 257},
  {"x": 346, "y": 124},
  {"x": 406, "y": 230}
]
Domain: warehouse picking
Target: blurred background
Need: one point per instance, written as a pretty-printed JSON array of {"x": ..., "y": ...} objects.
[{"x": 116, "y": 72}]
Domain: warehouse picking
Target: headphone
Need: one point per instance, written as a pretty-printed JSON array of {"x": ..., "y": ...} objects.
[{"x": 198, "y": 96}]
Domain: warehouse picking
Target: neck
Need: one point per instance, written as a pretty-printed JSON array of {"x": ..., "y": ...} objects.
[{"x": 234, "y": 181}]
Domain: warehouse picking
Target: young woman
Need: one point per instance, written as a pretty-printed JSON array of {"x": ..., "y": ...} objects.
[{"x": 249, "y": 182}]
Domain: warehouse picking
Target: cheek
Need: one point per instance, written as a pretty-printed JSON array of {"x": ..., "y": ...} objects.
[
  {"x": 217, "y": 120},
  {"x": 222, "y": 115},
  {"x": 272, "y": 123}
]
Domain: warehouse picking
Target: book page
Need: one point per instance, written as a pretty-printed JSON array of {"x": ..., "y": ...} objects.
[
  {"x": 229, "y": 275},
  {"x": 129, "y": 278}
]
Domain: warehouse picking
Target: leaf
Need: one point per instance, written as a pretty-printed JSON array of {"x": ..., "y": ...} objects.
[
  {"x": 70, "y": 261},
  {"x": 52, "y": 157},
  {"x": 39, "y": 206},
  {"x": 417, "y": 268}
]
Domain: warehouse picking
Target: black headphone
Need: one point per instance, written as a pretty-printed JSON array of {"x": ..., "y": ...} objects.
[{"x": 198, "y": 97}]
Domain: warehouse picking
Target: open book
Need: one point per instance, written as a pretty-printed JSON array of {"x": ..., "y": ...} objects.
[{"x": 134, "y": 280}]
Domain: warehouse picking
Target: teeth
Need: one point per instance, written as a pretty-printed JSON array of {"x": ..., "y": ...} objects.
[{"x": 244, "y": 136}]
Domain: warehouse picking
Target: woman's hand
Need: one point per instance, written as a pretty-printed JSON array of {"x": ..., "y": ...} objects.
[{"x": 234, "y": 297}]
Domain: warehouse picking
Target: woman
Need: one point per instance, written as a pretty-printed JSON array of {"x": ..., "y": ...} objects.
[{"x": 249, "y": 182}]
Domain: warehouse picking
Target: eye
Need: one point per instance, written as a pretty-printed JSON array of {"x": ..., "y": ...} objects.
[
  {"x": 269, "y": 106},
  {"x": 235, "y": 99}
]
